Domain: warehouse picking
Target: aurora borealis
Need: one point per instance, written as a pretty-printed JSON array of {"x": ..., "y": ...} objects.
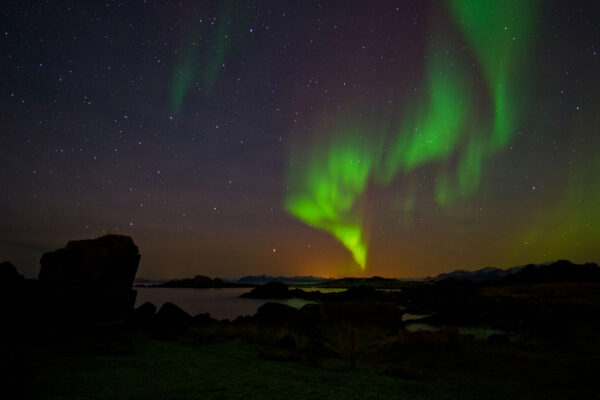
[
  {"x": 445, "y": 124},
  {"x": 293, "y": 138}
]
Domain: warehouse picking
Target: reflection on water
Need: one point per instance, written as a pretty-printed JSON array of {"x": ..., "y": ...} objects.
[
  {"x": 413, "y": 317},
  {"x": 478, "y": 332},
  {"x": 219, "y": 303}
]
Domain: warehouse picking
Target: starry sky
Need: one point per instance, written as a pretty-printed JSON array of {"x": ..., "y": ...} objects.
[{"x": 329, "y": 138}]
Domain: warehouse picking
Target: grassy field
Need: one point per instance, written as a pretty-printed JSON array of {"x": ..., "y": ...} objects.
[
  {"x": 176, "y": 370},
  {"x": 234, "y": 370}
]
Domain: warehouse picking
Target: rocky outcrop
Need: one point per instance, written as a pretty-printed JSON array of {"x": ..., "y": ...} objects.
[
  {"x": 275, "y": 313},
  {"x": 8, "y": 273},
  {"x": 171, "y": 319},
  {"x": 18, "y": 296},
  {"x": 90, "y": 279}
]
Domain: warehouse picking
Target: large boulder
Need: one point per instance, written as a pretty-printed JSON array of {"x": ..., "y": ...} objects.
[
  {"x": 171, "y": 319},
  {"x": 91, "y": 279},
  {"x": 276, "y": 313},
  {"x": 142, "y": 317}
]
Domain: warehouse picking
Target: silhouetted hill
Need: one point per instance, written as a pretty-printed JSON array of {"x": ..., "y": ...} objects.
[
  {"x": 141, "y": 281},
  {"x": 201, "y": 282},
  {"x": 549, "y": 272},
  {"x": 483, "y": 274},
  {"x": 561, "y": 271}
]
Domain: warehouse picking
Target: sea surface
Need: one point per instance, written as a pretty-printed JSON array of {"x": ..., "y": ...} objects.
[{"x": 219, "y": 303}]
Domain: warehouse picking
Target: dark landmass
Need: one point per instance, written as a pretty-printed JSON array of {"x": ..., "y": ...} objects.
[
  {"x": 282, "y": 279},
  {"x": 486, "y": 274},
  {"x": 483, "y": 274},
  {"x": 556, "y": 272},
  {"x": 200, "y": 282},
  {"x": 143, "y": 282},
  {"x": 493, "y": 273},
  {"x": 375, "y": 282},
  {"x": 73, "y": 333}
]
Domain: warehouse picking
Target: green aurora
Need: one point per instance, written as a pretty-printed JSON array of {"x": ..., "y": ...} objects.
[
  {"x": 327, "y": 183},
  {"x": 201, "y": 63}
]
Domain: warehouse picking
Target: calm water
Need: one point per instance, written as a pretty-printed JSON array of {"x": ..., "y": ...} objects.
[{"x": 219, "y": 303}]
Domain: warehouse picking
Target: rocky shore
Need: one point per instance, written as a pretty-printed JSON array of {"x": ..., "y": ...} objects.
[{"x": 82, "y": 303}]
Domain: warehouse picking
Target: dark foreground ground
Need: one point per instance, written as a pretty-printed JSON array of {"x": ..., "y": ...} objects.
[
  {"x": 178, "y": 370},
  {"x": 542, "y": 342},
  {"x": 334, "y": 350}
]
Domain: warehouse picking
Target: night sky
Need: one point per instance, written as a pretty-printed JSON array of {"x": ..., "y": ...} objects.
[{"x": 326, "y": 138}]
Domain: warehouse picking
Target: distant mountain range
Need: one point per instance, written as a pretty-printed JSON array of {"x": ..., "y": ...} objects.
[
  {"x": 483, "y": 274},
  {"x": 140, "y": 281},
  {"x": 282, "y": 279},
  {"x": 554, "y": 271}
]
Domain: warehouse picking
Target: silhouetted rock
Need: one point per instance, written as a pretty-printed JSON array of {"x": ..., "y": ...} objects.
[
  {"x": 271, "y": 290},
  {"x": 203, "y": 319},
  {"x": 18, "y": 296},
  {"x": 360, "y": 293},
  {"x": 145, "y": 311},
  {"x": 172, "y": 319},
  {"x": 91, "y": 279},
  {"x": 143, "y": 316},
  {"x": 202, "y": 281},
  {"x": 8, "y": 273},
  {"x": 276, "y": 313}
]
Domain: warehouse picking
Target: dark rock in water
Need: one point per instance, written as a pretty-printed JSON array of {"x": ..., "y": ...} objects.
[
  {"x": 271, "y": 290},
  {"x": 8, "y": 273},
  {"x": 91, "y": 279},
  {"x": 198, "y": 282},
  {"x": 275, "y": 312},
  {"x": 172, "y": 319},
  {"x": 360, "y": 293},
  {"x": 202, "y": 281}
]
